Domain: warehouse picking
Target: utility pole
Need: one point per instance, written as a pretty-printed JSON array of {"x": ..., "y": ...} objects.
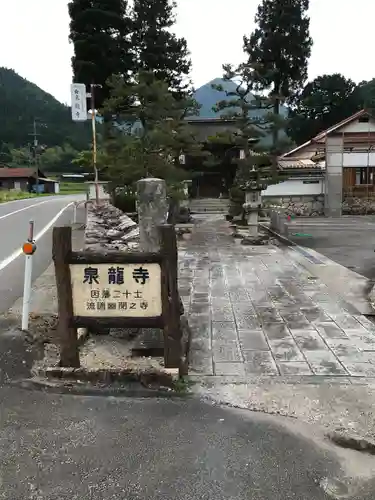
[{"x": 34, "y": 153}]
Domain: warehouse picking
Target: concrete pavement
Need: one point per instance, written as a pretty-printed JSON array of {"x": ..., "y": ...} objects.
[
  {"x": 14, "y": 219},
  {"x": 77, "y": 448},
  {"x": 349, "y": 240},
  {"x": 257, "y": 311}
]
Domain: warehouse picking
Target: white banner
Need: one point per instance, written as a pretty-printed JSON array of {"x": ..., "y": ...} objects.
[{"x": 79, "y": 103}]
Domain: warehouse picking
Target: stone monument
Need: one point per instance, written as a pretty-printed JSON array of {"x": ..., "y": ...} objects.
[{"x": 152, "y": 208}]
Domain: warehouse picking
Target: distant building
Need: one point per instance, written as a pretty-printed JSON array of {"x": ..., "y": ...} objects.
[
  {"x": 27, "y": 179},
  {"x": 216, "y": 181},
  {"x": 346, "y": 151}
]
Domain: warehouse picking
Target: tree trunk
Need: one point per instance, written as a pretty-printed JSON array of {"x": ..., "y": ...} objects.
[{"x": 275, "y": 133}]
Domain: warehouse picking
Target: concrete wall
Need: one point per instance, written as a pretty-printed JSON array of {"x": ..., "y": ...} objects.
[
  {"x": 333, "y": 183},
  {"x": 92, "y": 191},
  {"x": 307, "y": 205},
  {"x": 295, "y": 187}
]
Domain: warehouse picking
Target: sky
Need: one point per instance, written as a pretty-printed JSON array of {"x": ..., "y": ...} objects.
[{"x": 34, "y": 39}]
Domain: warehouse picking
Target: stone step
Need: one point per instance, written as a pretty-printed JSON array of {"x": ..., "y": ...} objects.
[
  {"x": 209, "y": 205},
  {"x": 209, "y": 210}
]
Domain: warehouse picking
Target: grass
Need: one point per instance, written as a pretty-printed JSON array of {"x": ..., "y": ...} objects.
[
  {"x": 65, "y": 188},
  {"x": 18, "y": 195},
  {"x": 72, "y": 187},
  {"x": 183, "y": 385}
]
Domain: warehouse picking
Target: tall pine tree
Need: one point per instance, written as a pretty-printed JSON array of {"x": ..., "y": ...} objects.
[
  {"x": 100, "y": 31},
  {"x": 279, "y": 48},
  {"x": 254, "y": 172},
  {"x": 156, "y": 48}
]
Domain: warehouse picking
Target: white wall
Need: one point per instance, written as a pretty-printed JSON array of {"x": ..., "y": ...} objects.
[
  {"x": 102, "y": 194},
  {"x": 294, "y": 187},
  {"x": 357, "y": 126},
  {"x": 356, "y": 159}
]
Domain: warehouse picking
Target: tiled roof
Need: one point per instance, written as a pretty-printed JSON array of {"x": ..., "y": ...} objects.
[
  {"x": 6, "y": 173},
  {"x": 322, "y": 135},
  {"x": 293, "y": 164}
]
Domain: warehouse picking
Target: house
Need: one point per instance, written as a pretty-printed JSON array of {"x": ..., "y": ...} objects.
[
  {"x": 208, "y": 123},
  {"x": 347, "y": 151},
  {"x": 27, "y": 179}
]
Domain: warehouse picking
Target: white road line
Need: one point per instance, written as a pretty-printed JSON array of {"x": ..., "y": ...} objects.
[
  {"x": 24, "y": 208},
  {"x": 17, "y": 253}
]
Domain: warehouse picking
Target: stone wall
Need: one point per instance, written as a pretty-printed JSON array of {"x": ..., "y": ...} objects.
[
  {"x": 304, "y": 205},
  {"x": 358, "y": 206},
  {"x": 108, "y": 228}
]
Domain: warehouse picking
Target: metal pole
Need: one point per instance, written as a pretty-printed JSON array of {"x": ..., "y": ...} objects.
[
  {"x": 75, "y": 213},
  {"x": 35, "y": 156},
  {"x": 27, "y": 281},
  {"x": 94, "y": 146}
]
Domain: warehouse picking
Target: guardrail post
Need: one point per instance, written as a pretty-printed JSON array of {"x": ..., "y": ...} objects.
[{"x": 28, "y": 248}]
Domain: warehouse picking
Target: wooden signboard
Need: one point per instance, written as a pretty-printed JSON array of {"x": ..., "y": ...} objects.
[{"x": 117, "y": 290}]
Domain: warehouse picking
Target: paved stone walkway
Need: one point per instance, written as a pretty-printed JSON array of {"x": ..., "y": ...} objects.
[{"x": 255, "y": 312}]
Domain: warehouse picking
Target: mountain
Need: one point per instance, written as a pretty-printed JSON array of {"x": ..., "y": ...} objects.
[
  {"x": 208, "y": 97},
  {"x": 22, "y": 101}
]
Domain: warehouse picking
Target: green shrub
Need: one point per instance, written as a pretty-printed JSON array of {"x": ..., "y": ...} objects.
[
  {"x": 237, "y": 199},
  {"x": 125, "y": 201}
]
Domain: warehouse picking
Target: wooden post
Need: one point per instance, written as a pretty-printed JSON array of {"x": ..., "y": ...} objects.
[
  {"x": 61, "y": 249},
  {"x": 172, "y": 328}
]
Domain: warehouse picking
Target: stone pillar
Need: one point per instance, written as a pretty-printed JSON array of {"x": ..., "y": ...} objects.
[
  {"x": 152, "y": 212},
  {"x": 333, "y": 179},
  {"x": 251, "y": 207}
]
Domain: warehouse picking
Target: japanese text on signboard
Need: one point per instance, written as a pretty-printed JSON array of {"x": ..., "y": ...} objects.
[{"x": 107, "y": 290}]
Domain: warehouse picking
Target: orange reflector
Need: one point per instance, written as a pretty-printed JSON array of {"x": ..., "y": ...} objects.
[{"x": 28, "y": 248}]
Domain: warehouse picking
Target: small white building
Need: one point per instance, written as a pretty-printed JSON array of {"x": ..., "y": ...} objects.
[
  {"x": 348, "y": 149},
  {"x": 301, "y": 178}
]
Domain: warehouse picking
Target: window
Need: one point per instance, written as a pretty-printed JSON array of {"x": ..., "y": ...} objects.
[
  {"x": 365, "y": 176},
  {"x": 364, "y": 119}
]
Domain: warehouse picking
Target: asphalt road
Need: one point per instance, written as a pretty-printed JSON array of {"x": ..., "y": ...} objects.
[
  {"x": 14, "y": 223},
  {"x": 57, "y": 447},
  {"x": 349, "y": 240},
  {"x": 64, "y": 447}
]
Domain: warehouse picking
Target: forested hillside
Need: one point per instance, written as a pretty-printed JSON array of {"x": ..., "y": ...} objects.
[{"x": 21, "y": 102}]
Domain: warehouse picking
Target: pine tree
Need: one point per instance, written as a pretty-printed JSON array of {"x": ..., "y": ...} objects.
[
  {"x": 254, "y": 172},
  {"x": 100, "y": 31},
  {"x": 156, "y": 48},
  {"x": 280, "y": 48},
  {"x": 151, "y": 134}
]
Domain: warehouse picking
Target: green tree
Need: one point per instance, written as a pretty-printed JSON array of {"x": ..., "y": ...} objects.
[
  {"x": 365, "y": 94},
  {"x": 59, "y": 159},
  {"x": 22, "y": 102},
  {"x": 279, "y": 49},
  {"x": 21, "y": 157},
  {"x": 325, "y": 101},
  {"x": 5, "y": 153},
  {"x": 254, "y": 170},
  {"x": 151, "y": 134},
  {"x": 83, "y": 161},
  {"x": 156, "y": 48},
  {"x": 100, "y": 31}
]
